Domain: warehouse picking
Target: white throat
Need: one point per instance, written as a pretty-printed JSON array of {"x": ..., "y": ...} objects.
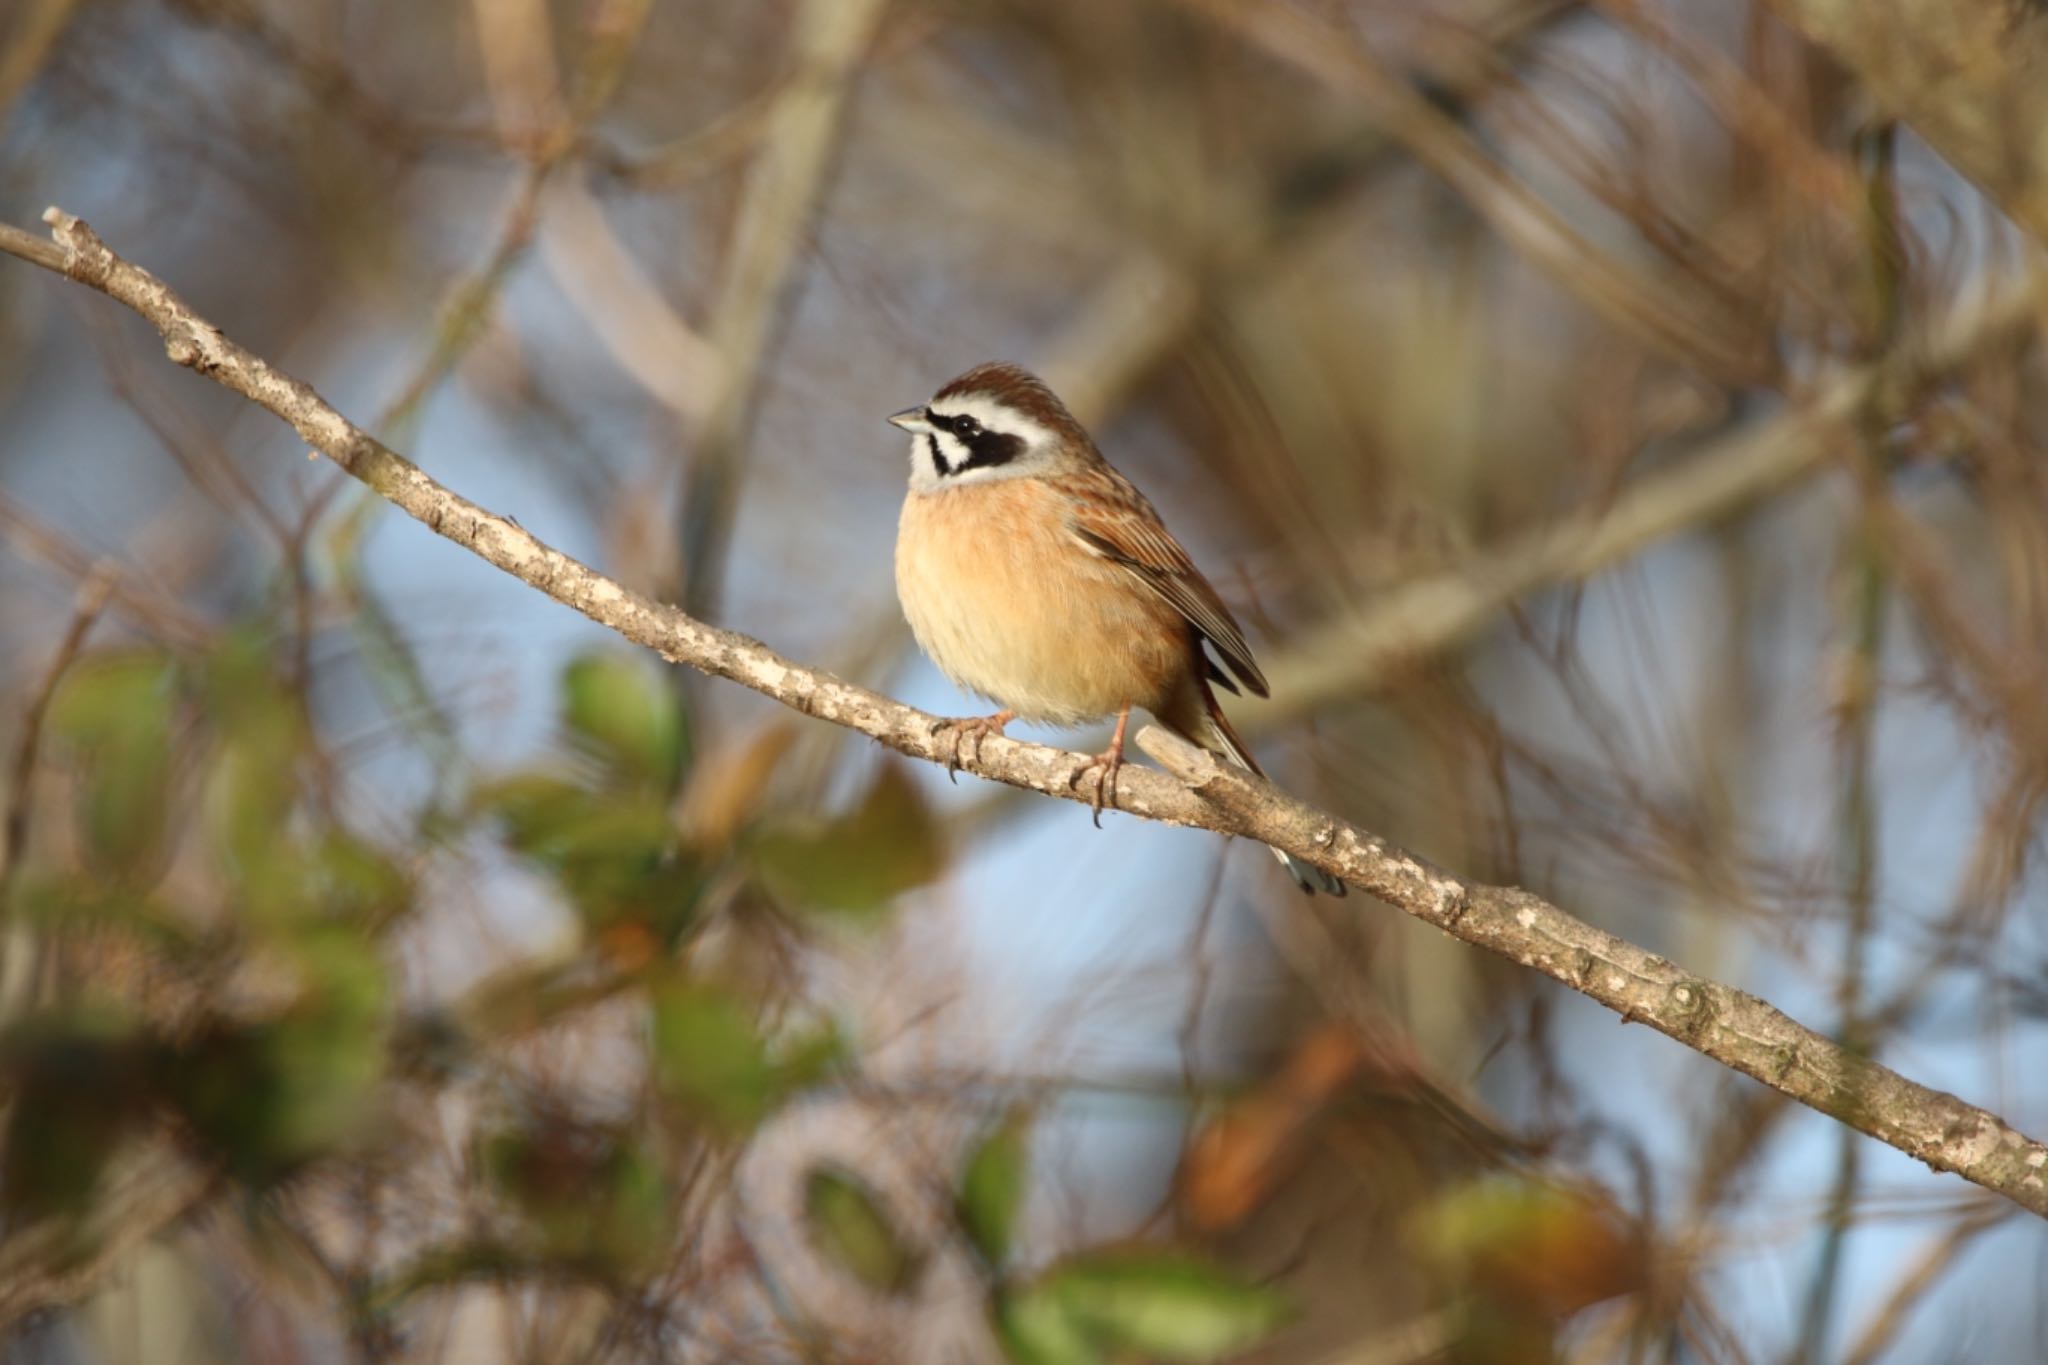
[{"x": 940, "y": 459}]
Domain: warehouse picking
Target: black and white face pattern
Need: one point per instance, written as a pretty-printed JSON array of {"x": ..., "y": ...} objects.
[{"x": 973, "y": 438}]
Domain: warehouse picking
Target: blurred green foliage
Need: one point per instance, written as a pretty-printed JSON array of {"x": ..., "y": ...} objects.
[
  {"x": 603, "y": 828},
  {"x": 74, "y": 1085},
  {"x": 853, "y": 1230},
  {"x": 115, "y": 712},
  {"x": 1154, "y": 1305},
  {"x": 1518, "y": 1255},
  {"x": 992, "y": 1189},
  {"x": 227, "y": 941},
  {"x": 711, "y": 1057},
  {"x": 616, "y": 707},
  {"x": 287, "y": 924},
  {"x": 595, "y": 1197},
  {"x": 1105, "y": 1305},
  {"x": 886, "y": 845}
]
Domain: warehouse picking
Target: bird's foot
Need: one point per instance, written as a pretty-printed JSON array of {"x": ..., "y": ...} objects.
[
  {"x": 974, "y": 728},
  {"x": 1105, "y": 766}
]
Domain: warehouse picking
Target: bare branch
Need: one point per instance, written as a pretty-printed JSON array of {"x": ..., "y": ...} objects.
[
  {"x": 800, "y": 144},
  {"x": 1966, "y": 75},
  {"x": 1685, "y": 327},
  {"x": 1736, "y": 1029},
  {"x": 55, "y": 1263},
  {"x": 1354, "y": 651}
]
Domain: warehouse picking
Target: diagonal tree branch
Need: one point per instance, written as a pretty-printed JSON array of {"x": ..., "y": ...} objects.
[
  {"x": 1736, "y": 1029},
  {"x": 1356, "y": 649}
]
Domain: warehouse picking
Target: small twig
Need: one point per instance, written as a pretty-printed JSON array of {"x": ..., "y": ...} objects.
[
  {"x": 1881, "y": 1332},
  {"x": 1734, "y": 1028},
  {"x": 1640, "y": 304},
  {"x": 57, "y": 1262},
  {"x": 800, "y": 140},
  {"x": 22, "y": 952},
  {"x": 14, "y": 824},
  {"x": 36, "y": 29},
  {"x": 1354, "y": 651},
  {"x": 137, "y": 595}
]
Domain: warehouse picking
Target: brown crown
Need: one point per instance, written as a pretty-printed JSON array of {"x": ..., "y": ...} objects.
[{"x": 1018, "y": 388}]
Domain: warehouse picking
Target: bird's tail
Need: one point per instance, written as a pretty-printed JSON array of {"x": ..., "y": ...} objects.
[{"x": 1212, "y": 730}]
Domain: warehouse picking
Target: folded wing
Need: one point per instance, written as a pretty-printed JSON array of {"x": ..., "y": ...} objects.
[{"x": 1121, "y": 527}]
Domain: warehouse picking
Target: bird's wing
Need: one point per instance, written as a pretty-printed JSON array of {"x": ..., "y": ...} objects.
[{"x": 1111, "y": 518}]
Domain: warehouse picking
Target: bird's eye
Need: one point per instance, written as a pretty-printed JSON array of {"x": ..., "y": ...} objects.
[{"x": 966, "y": 428}]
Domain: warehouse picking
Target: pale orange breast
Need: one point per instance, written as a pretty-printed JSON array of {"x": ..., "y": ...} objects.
[{"x": 1008, "y": 605}]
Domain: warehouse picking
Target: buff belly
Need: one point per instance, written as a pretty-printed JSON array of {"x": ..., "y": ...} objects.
[{"x": 1011, "y": 607}]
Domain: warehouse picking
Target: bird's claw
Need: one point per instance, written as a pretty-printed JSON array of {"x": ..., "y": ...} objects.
[
  {"x": 1105, "y": 767},
  {"x": 978, "y": 728}
]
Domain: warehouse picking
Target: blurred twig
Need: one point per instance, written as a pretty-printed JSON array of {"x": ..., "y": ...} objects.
[
  {"x": 92, "y": 599},
  {"x": 1131, "y": 323},
  {"x": 1355, "y": 652},
  {"x": 1862, "y": 669},
  {"x": 799, "y": 143},
  {"x": 17, "y": 945},
  {"x": 136, "y": 596},
  {"x": 35, "y": 32},
  {"x": 56, "y": 1262},
  {"x": 1965, "y": 73},
  {"x": 1735, "y": 1029},
  {"x": 519, "y": 62},
  {"x": 1682, "y": 326},
  {"x": 1881, "y": 1332}
]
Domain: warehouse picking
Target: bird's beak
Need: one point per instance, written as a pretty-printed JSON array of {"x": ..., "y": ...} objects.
[{"x": 911, "y": 419}]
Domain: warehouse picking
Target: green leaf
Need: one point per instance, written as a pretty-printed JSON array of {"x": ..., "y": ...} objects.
[
  {"x": 77, "y": 1086},
  {"x": 1035, "y": 1328},
  {"x": 62, "y": 905},
  {"x": 103, "y": 694},
  {"x": 711, "y": 1058},
  {"x": 115, "y": 710},
  {"x": 597, "y": 1198},
  {"x": 253, "y": 785},
  {"x": 810, "y": 1057},
  {"x": 1531, "y": 1245},
  {"x": 888, "y": 844},
  {"x": 273, "y": 1094},
  {"x": 614, "y": 853},
  {"x": 852, "y": 1230},
  {"x": 1168, "y": 1305},
  {"x": 992, "y": 1189},
  {"x": 358, "y": 884},
  {"x": 616, "y": 707},
  {"x": 250, "y": 792}
]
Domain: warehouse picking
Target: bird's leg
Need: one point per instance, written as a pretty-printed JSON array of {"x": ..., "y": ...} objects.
[
  {"x": 1104, "y": 765},
  {"x": 980, "y": 727}
]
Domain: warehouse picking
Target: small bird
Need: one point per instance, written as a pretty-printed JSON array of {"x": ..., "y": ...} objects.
[{"x": 1038, "y": 577}]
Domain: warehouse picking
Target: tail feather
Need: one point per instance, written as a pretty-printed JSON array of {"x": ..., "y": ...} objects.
[{"x": 1215, "y": 733}]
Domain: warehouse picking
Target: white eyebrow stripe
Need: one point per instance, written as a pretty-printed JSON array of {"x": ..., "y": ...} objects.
[{"x": 993, "y": 414}]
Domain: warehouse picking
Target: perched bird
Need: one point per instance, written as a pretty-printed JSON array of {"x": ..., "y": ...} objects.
[{"x": 1037, "y": 576}]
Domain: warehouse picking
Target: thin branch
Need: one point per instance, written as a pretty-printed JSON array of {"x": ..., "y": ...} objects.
[
  {"x": 18, "y": 946},
  {"x": 1639, "y": 304},
  {"x": 1736, "y": 1029},
  {"x": 800, "y": 142},
  {"x": 137, "y": 593},
  {"x": 15, "y": 811},
  {"x": 1355, "y": 651},
  {"x": 56, "y": 1262},
  {"x": 36, "y": 32},
  {"x": 1881, "y": 1333},
  {"x": 1966, "y": 75}
]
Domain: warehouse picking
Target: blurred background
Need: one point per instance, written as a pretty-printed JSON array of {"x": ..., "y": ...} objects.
[{"x": 1616, "y": 430}]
